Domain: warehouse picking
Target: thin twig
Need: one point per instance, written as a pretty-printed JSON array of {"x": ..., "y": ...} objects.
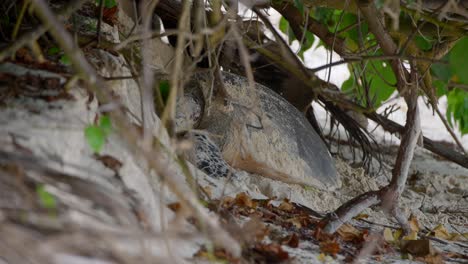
[
  {"x": 128, "y": 133},
  {"x": 29, "y": 37}
]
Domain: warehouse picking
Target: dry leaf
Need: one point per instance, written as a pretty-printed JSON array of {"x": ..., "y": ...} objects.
[
  {"x": 208, "y": 191},
  {"x": 441, "y": 232},
  {"x": 432, "y": 259},
  {"x": 420, "y": 248},
  {"x": 243, "y": 200},
  {"x": 349, "y": 233},
  {"x": 272, "y": 252},
  {"x": 397, "y": 234},
  {"x": 291, "y": 241},
  {"x": 361, "y": 216},
  {"x": 254, "y": 230},
  {"x": 413, "y": 222},
  {"x": 286, "y": 206},
  {"x": 295, "y": 221},
  {"x": 411, "y": 236},
  {"x": 174, "y": 206},
  {"x": 330, "y": 247},
  {"x": 110, "y": 162},
  {"x": 458, "y": 237},
  {"x": 322, "y": 257},
  {"x": 388, "y": 235}
]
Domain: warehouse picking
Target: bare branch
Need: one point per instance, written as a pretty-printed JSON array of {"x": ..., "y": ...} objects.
[{"x": 128, "y": 132}]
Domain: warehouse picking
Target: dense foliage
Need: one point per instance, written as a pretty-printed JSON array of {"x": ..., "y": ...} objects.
[{"x": 419, "y": 34}]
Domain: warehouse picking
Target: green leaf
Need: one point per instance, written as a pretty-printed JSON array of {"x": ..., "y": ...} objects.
[
  {"x": 284, "y": 25},
  {"x": 459, "y": 60},
  {"x": 352, "y": 35},
  {"x": 309, "y": 39},
  {"x": 164, "y": 87},
  {"x": 441, "y": 87},
  {"x": 457, "y": 109},
  {"x": 65, "y": 60},
  {"x": 299, "y": 5},
  {"x": 46, "y": 199},
  {"x": 323, "y": 14},
  {"x": 348, "y": 85},
  {"x": 423, "y": 43},
  {"x": 105, "y": 124},
  {"x": 107, "y": 3},
  {"x": 382, "y": 81},
  {"x": 53, "y": 51},
  {"x": 441, "y": 71},
  {"x": 95, "y": 137}
]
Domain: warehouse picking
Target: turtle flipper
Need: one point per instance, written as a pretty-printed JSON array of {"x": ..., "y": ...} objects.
[{"x": 207, "y": 156}]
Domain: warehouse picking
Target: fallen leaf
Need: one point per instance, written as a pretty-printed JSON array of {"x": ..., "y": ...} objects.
[
  {"x": 441, "y": 232},
  {"x": 413, "y": 222},
  {"x": 254, "y": 230},
  {"x": 388, "y": 235},
  {"x": 361, "y": 216},
  {"x": 286, "y": 206},
  {"x": 322, "y": 257},
  {"x": 349, "y": 233},
  {"x": 291, "y": 241},
  {"x": 330, "y": 247},
  {"x": 420, "y": 248},
  {"x": 458, "y": 236},
  {"x": 397, "y": 234},
  {"x": 215, "y": 256},
  {"x": 272, "y": 252},
  {"x": 413, "y": 235},
  {"x": 227, "y": 201},
  {"x": 432, "y": 259},
  {"x": 207, "y": 190},
  {"x": 174, "y": 206},
  {"x": 242, "y": 199},
  {"x": 24, "y": 55},
  {"x": 110, "y": 162}
]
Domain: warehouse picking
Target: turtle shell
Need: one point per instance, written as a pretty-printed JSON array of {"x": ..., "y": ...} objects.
[{"x": 260, "y": 132}]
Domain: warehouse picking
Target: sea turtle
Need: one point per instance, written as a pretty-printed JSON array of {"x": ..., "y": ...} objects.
[{"x": 254, "y": 130}]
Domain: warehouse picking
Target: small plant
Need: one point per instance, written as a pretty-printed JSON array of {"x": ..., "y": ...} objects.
[
  {"x": 96, "y": 135},
  {"x": 46, "y": 199},
  {"x": 55, "y": 52}
]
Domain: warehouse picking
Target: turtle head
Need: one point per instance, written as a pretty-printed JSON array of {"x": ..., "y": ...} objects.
[{"x": 190, "y": 107}]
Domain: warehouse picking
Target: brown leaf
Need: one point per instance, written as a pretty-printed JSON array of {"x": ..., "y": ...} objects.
[
  {"x": 208, "y": 190},
  {"x": 413, "y": 222},
  {"x": 243, "y": 200},
  {"x": 361, "y": 216},
  {"x": 296, "y": 221},
  {"x": 330, "y": 247},
  {"x": 24, "y": 55},
  {"x": 110, "y": 162},
  {"x": 421, "y": 247},
  {"x": 432, "y": 259},
  {"x": 349, "y": 233},
  {"x": 218, "y": 255},
  {"x": 441, "y": 232},
  {"x": 227, "y": 202},
  {"x": 286, "y": 206},
  {"x": 174, "y": 206},
  {"x": 109, "y": 15},
  {"x": 319, "y": 235},
  {"x": 272, "y": 252},
  {"x": 291, "y": 241},
  {"x": 254, "y": 230}
]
